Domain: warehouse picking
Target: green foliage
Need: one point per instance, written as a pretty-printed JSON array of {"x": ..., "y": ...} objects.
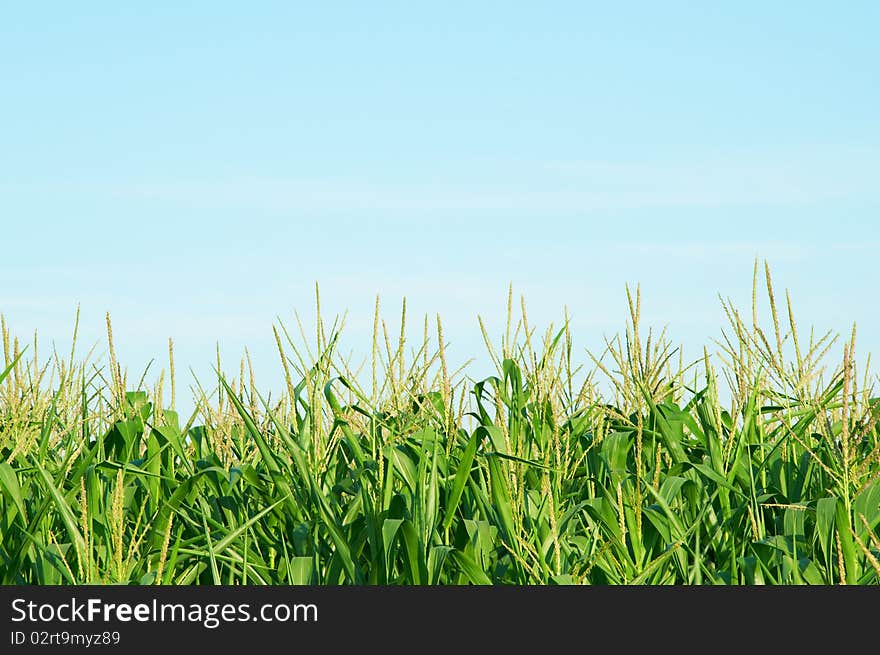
[{"x": 528, "y": 476}]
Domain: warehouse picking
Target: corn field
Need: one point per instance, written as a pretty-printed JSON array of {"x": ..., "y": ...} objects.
[{"x": 757, "y": 462}]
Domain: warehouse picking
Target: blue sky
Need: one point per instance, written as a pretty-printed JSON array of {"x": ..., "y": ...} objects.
[{"x": 194, "y": 168}]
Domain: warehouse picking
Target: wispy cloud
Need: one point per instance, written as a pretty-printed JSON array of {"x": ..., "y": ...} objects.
[{"x": 771, "y": 179}]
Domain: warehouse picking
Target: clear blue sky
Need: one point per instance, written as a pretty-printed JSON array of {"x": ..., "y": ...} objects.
[{"x": 194, "y": 167}]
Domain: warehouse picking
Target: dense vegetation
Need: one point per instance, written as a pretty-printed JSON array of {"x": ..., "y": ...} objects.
[{"x": 756, "y": 464}]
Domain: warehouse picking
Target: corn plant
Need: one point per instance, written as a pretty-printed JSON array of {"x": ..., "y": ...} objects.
[{"x": 755, "y": 464}]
